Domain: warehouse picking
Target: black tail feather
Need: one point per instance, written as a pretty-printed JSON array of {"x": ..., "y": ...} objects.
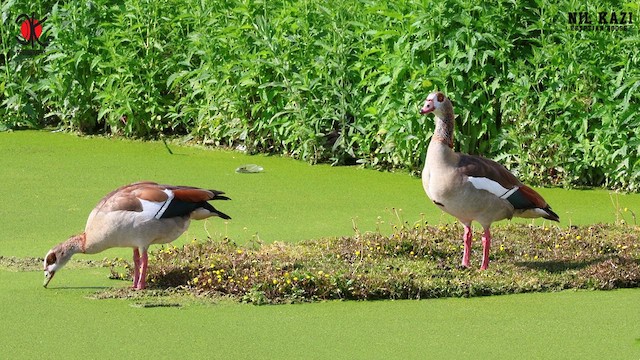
[
  {"x": 182, "y": 208},
  {"x": 210, "y": 207},
  {"x": 551, "y": 214},
  {"x": 217, "y": 195}
]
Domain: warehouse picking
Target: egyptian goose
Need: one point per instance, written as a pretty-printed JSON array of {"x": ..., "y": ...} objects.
[
  {"x": 472, "y": 187},
  {"x": 136, "y": 215}
]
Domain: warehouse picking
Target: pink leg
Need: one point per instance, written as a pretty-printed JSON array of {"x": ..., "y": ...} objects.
[
  {"x": 144, "y": 260},
  {"x": 136, "y": 267},
  {"x": 468, "y": 234},
  {"x": 486, "y": 245}
]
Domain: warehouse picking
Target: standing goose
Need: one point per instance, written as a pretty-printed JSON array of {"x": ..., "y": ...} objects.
[
  {"x": 136, "y": 215},
  {"x": 472, "y": 187}
]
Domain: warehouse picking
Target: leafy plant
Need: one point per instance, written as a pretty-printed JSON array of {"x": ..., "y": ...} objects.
[{"x": 341, "y": 81}]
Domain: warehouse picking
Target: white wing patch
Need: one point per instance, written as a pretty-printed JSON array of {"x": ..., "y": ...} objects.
[
  {"x": 153, "y": 209},
  {"x": 494, "y": 187}
]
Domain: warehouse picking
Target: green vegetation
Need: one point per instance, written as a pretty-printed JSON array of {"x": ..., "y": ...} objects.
[
  {"x": 413, "y": 263},
  {"x": 63, "y": 323},
  {"x": 55, "y": 179},
  {"x": 416, "y": 262},
  {"x": 60, "y": 177},
  {"x": 340, "y": 81}
]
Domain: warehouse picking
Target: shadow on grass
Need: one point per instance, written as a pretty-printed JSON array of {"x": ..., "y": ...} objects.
[
  {"x": 603, "y": 273},
  {"x": 77, "y": 288}
]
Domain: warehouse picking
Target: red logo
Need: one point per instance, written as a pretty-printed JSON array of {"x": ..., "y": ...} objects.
[{"x": 30, "y": 30}]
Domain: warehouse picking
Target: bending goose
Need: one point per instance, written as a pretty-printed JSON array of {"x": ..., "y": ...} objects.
[
  {"x": 472, "y": 187},
  {"x": 136, "y": 215}
]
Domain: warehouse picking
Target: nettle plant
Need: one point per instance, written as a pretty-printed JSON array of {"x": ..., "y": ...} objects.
[{"x": 340, "y": 81}]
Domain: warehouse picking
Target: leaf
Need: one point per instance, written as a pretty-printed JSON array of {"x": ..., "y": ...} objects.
[
  {"x": 382, "y": 80},
  {"x": 172, "y": 78}
]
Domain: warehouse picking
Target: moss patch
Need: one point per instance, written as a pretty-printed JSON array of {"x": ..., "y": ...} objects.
[{"x": 414, "y": 262}]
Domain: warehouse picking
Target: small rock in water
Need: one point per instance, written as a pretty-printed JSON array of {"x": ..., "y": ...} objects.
[{"x": 249, "y": 169}]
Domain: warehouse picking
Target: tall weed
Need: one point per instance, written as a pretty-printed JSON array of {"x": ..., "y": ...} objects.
[{"x": 340, "y": 81}]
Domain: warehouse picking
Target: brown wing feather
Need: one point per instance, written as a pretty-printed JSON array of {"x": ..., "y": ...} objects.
[
  {"x": 127, "y": 197},
  {"x": 123, "y": 199},
  {"x": 524, "y": 198},
  {"x": 478, "y": 166},
  {"x": 192, "y": 195},
  {"x": 534, "y": 197}
]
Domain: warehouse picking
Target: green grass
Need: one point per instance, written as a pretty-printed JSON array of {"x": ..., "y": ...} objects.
[
  {"x": 62, "y": 177},
  {"x": 62, "y": 323},
  {"x": 58, "y": 178},
  {"x": 51, "y": 182}
]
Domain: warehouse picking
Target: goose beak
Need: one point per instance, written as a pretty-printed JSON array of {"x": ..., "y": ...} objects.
[
  {"x": 427, "y": 108},
  {"x": 48, "y": 275}
]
